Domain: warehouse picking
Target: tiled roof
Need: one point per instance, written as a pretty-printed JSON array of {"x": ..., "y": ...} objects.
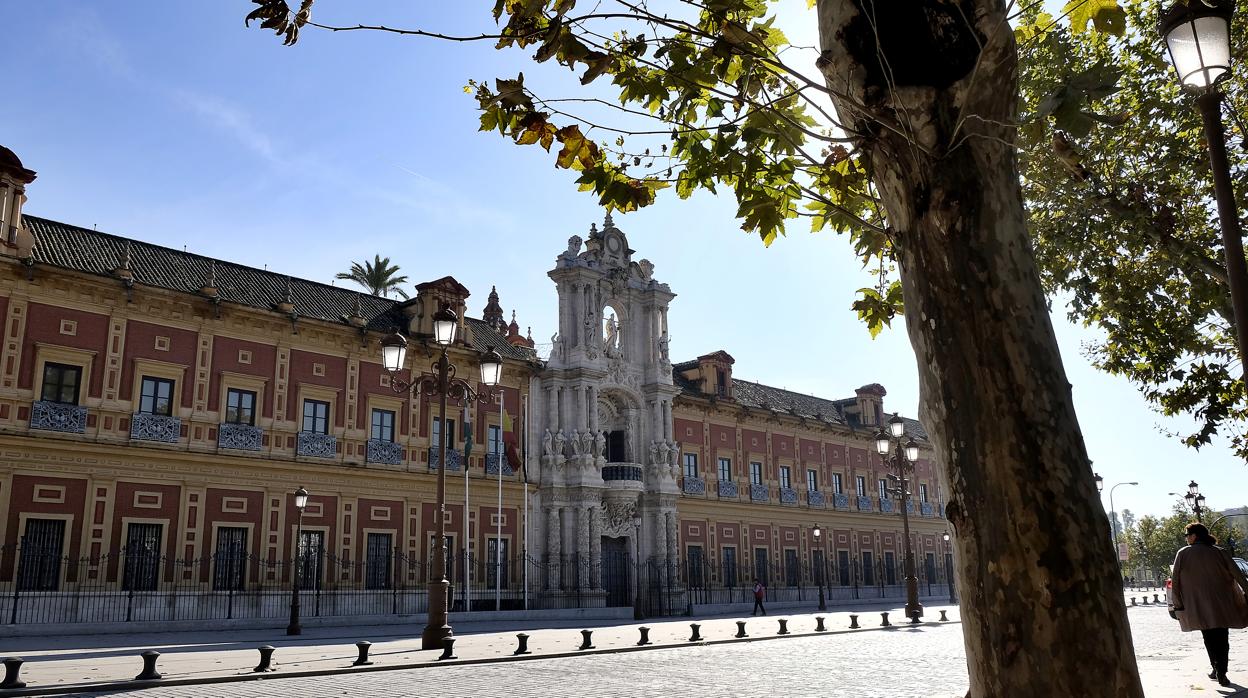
[{"x": 93, "y": 252}]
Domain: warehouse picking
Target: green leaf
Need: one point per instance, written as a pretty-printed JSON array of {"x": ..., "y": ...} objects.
[{"x": 1106, "y": 15}]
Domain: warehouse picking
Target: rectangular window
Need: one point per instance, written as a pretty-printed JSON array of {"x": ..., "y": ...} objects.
[
  {"x": 383, "y": 425},
  {"x": 437, "y": 433},
  {"x": 691, "y": 465},
  {"x": 721, "y": 383},
  {"x": 494, "y": 440},
  {"x": 786, "y": 477},
  {"x": 316, "y": 416},
  {"x": 929, "y": 567},
  {"x": 812, "y": 480},
  {"x": 730, "y": 567},
  {"x": 39, "y": 568},
  {"x": 883, "y": 487},
  {"x": 142, "y": 554},
  {"x": 240, "y": 407},
  {"x": 792, "y": 570},
  {"x": 843, "y": 568},
  {"x": 762, "y": 565},
  {"x": 868, "y": 568},
  {"x": 156, "y": 396},
  {"x": 493, "y": 566},
  {"x": 890, "y": 567},
  {"x": 695, "y": 562},
  {"x": 837, "y": 485},
  {"x": 377, "y": 561},
  {"x": 817, "y": 567},
  {"x": 756, "y": 473},
  {"x": 922, "y": 493},
  {"x": 617, "y": 446},
  {"x": 60, "y": 383},
  {"x": 725, "y": 469},
  {"x": 311, "y": 559},
  {"x": 862, "y": 485},
  {"x": 229, "y": 570}
]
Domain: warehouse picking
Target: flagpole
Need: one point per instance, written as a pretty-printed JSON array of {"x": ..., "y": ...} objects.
[
  {"x": 524, "y": 471},
  {"x": 467, "y": 531},
  {"x": 498, "y": 523}
]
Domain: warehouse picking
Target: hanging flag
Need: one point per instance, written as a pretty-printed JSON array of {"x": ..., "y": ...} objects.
[
  {"x": 467, "y": 427},
  {"x": 510, "y": 443}
]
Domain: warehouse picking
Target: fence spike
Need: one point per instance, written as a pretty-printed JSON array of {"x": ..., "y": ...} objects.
[
  {"x": 522, "y": 644},
  {"x": 819, "y": 625},
  {"x": 645, "y": 636},
  {"x": 696, "y": 636},
  {"x": 149, "y": 666},
  {"x": 12, "y": 667},
  {"x": 448, "y": 649},
  {"x": 587, "y": 642},
  {"x": 363, "y": 659},
  {"x": 266, "y": 659},
  {"x": 741, "y": 629}
]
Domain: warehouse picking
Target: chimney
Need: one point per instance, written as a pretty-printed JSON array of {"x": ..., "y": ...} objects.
[
  {"x": 871, "y": 404},
  {"x": 716, "y": 374}
]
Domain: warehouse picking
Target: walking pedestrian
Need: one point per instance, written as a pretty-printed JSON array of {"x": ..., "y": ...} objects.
[
  {"x": 760, "y": 591},
  {"x": 1209, "y": 594}
]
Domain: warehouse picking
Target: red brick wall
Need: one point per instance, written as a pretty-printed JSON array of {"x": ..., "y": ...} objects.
[
  {"x": 335, "y": 377},
  {"x": 43, "y": 324},
  {"x": 21, "y": 499},
  {"x": 225, "y": 358},
  {"x": 141, "y": 344}
]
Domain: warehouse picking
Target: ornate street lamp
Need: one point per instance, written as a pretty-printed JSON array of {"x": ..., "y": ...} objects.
[
  {"x": 1198, "y": 39},
  {"x": 823, "y": 556},
  {"x": 902, "y": 462},
  {"x": 1195, "y": 499},
  {"x": 301, "y": 502},
  {"x": 953, "y": 594},
  {"x": 443, "y": 382},
  {"x": 637, "y": 612},
  {"x": 1100, "y": 483}
]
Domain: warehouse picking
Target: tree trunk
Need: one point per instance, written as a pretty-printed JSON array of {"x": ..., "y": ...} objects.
[{"x": 929, "y": 89}]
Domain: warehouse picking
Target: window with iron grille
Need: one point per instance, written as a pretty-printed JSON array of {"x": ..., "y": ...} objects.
[
  {"x": 730, "y": 566},
  {"x": 792, "y": 569},
  {"x": 377, "y": 561},
  {"x": 762, "y": 565},
  {"x": 756, "y": 473},
  {"x": 316, "y": 416},
  {"x": 156, "y": 396},
  {"x": 883, "y": 487},
  {"x": 691, "y": 465},
  {"x": 817, "y": 566},
  {"x": 142, "y": 553},
  {"x": 695, "y": 560},
  {"x": 862, "y": 485},
  {"x": 929, "y": 566},
  {"x": 890, "y": 568},
  {"x": 436, "y": 439},
  {"x": 786, "y": 477},
  {"x": 868, "y": 568},
  {"x": 812, "y": 481},
  {"x": 922, "y": 493},
  {"x": 311, "y": 559},
  {"x": 60, "y": 383},
  {"x": 383, "y": 425},
  {"x": 229, "y": 563},
  {"x": 39, "y": 565},
  {"x": 843, "y": 568},
  {"x": 494, "y": 440},
  {"x": 725, "y": 469},
  {"x": 493, "y": 566},
  {"x": 240, "y": 407}
]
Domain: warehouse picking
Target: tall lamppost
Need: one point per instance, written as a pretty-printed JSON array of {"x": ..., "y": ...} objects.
[
  {"x": 1113, "y": 516},
  {"x": 444, "y": 384},
  {"x": 637, "y": 612},
  {"x": 953, "y": 593},
  {"x": 823, "y": 556},
  {"x": 301, "y": 502},
  {"x": 902, "y": 462},
  {"x": 1195, "y": 499},
  {"x": 1198, "y": 38}
]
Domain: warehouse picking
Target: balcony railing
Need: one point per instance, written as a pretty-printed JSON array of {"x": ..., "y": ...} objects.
[
  {"x": 622, "y": 472},
  {"x": 155, "y": 427},
  {"x": 383, "y": 452},
  {"x": 492, "y": 461},
  {"x": 840, "y": 500},
  {"x": 240, "y": 437},
  {"x": 759, "y": 493},
  {"x": 886, "y": 505},
  {"x": 788, "y": 495},
  {"x": 815, "y": 499},
  {"x": 454, "y": 459},
  {"x": 728, "y": 490},
  {"x": 927, "y": 509},
  {"x": 693, "y": 485},
  {"x": 310, "y": 443},
  {"x": 910, "y": 507},
  {"x": 864, "y": 503},
  {"x": 58, "y": 416}
]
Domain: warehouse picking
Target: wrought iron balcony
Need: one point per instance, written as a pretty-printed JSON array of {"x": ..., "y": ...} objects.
[
  {"x": 759, "y": 493},
  {"x": 240, "y": 437},
  {"x": 310, "y": 443},
  {"x": 384, "y": 452},
  {"x": 728, "y": 490},
  {"x": 492, "y": 461},
  {"x": 622, "y": 472},
  {"x": 840, "y": 500},
  {"x": 886, "y": 505},
  {"x": 693, "y": 485},
  {"x": 454, "y": 459},
  {"x": 815, "y": 498},
  {"x": 155, "y": 427},
  {"x": 788, "y": 495},
  {"x": 864, "y": 503},
  {"x": 58, "y": 416},
  {"x": 927, "y": 509},
  {"x": 910, "y": 506}
]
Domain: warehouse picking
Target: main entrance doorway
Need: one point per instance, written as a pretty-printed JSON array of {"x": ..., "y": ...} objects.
[{"x": 616, "y": 568}]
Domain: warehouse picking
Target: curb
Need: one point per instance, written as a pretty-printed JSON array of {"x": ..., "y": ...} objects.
[{"x": 133, "y": 685}]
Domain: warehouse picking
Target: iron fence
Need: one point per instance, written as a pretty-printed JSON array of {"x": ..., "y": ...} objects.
[{"x": 709, "y": 582}]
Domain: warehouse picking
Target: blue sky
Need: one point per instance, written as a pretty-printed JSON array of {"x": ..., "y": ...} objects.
[{"x": 171, "y": 123}]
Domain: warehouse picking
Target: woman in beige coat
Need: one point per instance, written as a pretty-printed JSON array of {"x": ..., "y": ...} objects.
[{"x": 1210, "y": 594}]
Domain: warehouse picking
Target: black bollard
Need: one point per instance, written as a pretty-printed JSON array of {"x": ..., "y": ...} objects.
[
  {"x": 819, "y": 625},
  {"x": 363, "y": 659},
  {"x": 784, "y": 626},
  {"x": 914, "y": 619},
  {"x": 1155, "y": 599},
  {"x": 1132, "y": 600},
  {"x": 741, "y": 629},
  {"x": 522, "y": 644},
  {"x": 645, "y": 636},
  {"x": 12, "y": 665},
  {"x": 1145, "y": 599},
  {"x": 853, "y": 621},
  {"x": 943, "y": 616},
  {"x": 695, "y": 637},
  {"x": 149, "y": 666},
  {"x": 587, "y": 640},
  {"x": 266, "y": 659},
  {"x": 448, "y": 649},
  {"x": 884, "y": 620}
]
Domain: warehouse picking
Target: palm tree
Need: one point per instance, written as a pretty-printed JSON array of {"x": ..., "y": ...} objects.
[{"x": 377, "y": 276}]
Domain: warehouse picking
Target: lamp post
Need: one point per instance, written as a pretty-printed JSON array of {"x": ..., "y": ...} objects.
[
  {"x": 1195, "y": 499},
  {"x": 1198, "y": 39},
  {"x": 902, "y": 461},
  {"x": 445, "y": 384},
  {"x": 1100, "y": 483},
  {"x": 1113, "y": 516},
  {"x": 953, "y": 589},
  {"x": 637, "y": 613},
  {"x": 823, "y": 604},
  {"x": 301, "y": 502}
]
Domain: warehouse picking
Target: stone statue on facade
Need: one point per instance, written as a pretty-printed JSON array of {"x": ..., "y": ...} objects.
[
  {"x": 576, "y": 443},
  {"x": 561, "y": 443},
  {"x": 663, "y": 342},
  {"x": 613, "y": 333},
  {"x": 656, "y": 453},
  {"x": 600, "y": 444},
  {"x": 548, "y": 444},
  {"x": 647, "y": 269},
  {"x": 587, "y": 442},
  {"x": 574, "y": 247}
]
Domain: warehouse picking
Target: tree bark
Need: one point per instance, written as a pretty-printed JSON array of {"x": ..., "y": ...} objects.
[{"x": 930, "y": 89}]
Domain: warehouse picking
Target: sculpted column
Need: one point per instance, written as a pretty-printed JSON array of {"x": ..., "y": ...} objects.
[
  {"x": 553, "y": 552},
  {"x": 671, "y": 548},
  {"x": 595, "y": 548},
  {"x": 583, "y": 555}
]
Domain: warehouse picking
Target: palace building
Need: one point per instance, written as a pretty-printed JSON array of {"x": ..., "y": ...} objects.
[{"x": 159, "y": 409}]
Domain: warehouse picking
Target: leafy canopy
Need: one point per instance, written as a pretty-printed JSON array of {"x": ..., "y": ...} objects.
[{"x": 378, "y": 276}]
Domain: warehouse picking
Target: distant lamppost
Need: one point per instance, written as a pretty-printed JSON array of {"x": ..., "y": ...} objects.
[
  {"x": 1113, "y": 517},
  {"x": 1198, "y": 39},
  {"x": 823, "y": 604},
  {"x": 902, "y": 462},
  {"x": 637, "y": 613},
  {"x": 1195, "y": 499},
  {"x": 301, "y": 502},
  {"x": 953, "y": 589},
  {"x": 444, "y": 384}
]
